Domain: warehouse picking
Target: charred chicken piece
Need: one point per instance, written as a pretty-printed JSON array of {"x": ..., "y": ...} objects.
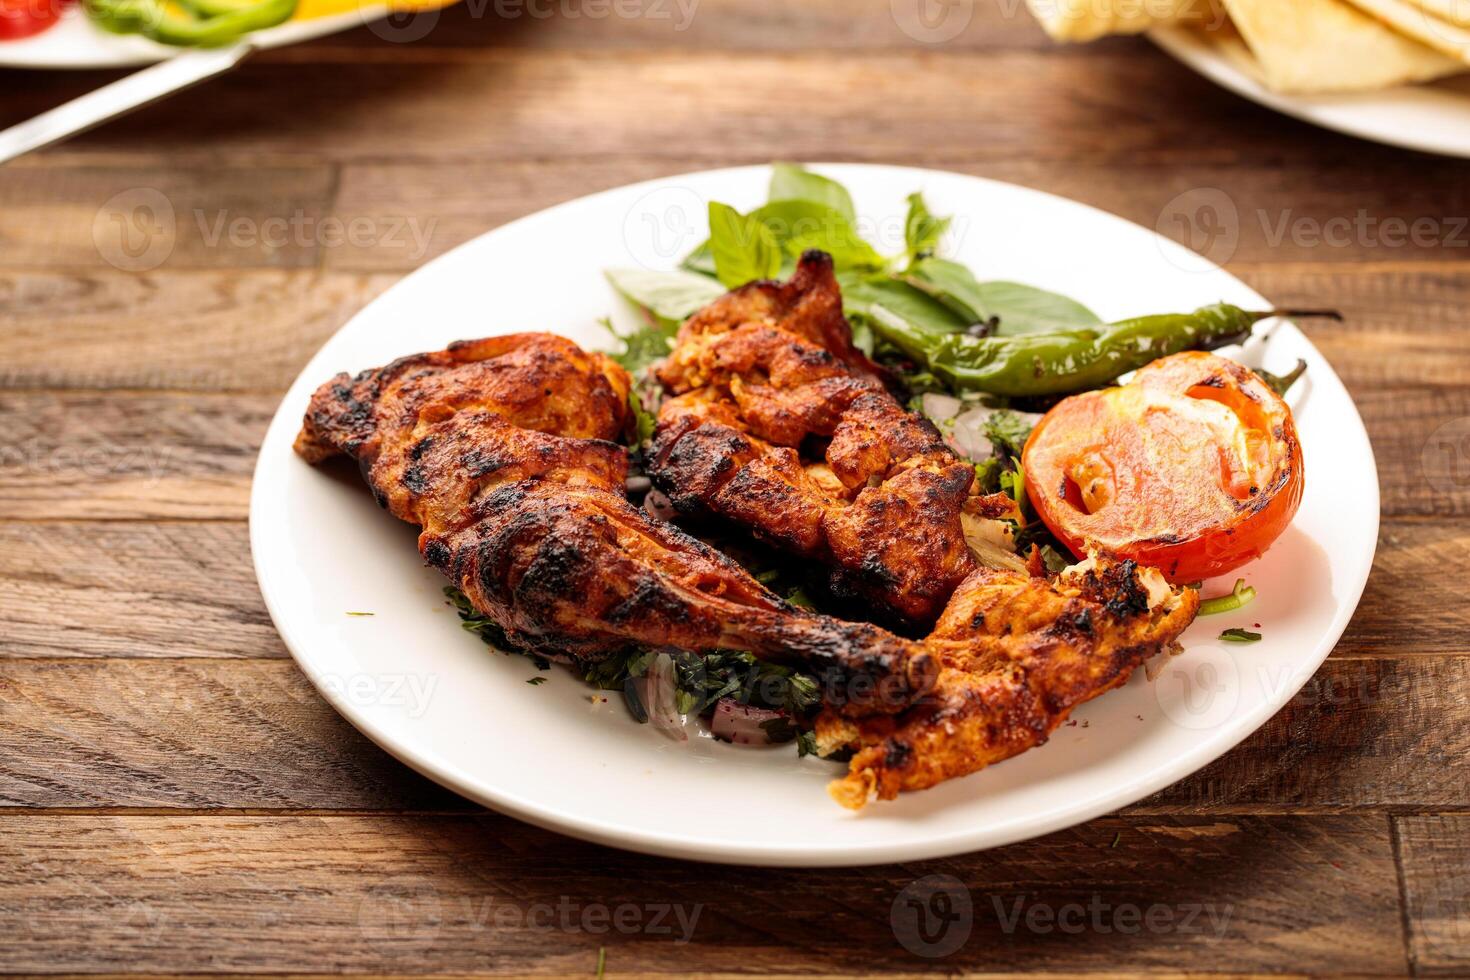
[
  {"x": 777, "y": 423},
  {"x": 1018, "y": 653},
  {"x": 500, "y": 451}
]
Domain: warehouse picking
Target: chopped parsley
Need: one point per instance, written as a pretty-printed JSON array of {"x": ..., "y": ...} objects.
[{"x": 1240, "y": 636}]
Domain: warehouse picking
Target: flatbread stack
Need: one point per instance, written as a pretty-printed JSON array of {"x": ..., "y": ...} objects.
[{"x": 1295, "y": 46}]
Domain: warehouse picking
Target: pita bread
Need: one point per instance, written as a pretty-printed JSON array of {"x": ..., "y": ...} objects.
[
  {"x": 1316, "y": 46},
  {"x": 1420, "y": 24},
  {"x": 1087, "y": 20}
]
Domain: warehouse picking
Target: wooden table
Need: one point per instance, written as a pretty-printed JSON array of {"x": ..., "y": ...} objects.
[{"x": 176, "y": 798}]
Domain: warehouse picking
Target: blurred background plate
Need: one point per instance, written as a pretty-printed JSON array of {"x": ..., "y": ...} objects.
[
  {"x": 1434, "y": 118},
  {"x": 75, "y": 43}
]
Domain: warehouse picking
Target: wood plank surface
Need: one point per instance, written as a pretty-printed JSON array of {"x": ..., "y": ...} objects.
[
  {"x": 177, "y": 800},
  {"x": 1434, "y": 851},
  {"x": 1363, "y": 735},
  {"x": 932, "y": 107},
  {"x": 465, "y": 893}
]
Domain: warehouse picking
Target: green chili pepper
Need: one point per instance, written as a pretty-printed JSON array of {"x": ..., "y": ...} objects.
[
  {"x": 1065, "y": 361},
  {"x": 189, "y": 23}
]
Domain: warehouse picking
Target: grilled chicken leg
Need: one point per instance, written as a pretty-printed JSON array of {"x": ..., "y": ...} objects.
[{"x": 499, "y": 449}]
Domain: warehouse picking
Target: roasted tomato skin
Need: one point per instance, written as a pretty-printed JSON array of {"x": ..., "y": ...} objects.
[{"x": 1193, "y": 467}]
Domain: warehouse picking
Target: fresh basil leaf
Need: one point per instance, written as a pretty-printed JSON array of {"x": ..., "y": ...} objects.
[
  {"x": 669, "y": 297},
  {"x": 743, "y": 247},
  {"x": 1025, "y": 309},
  {"x": 701, "y": 260},
  {"x": 921, "y": 229},
  {"x": 951, "y": 284},
  {"x": 802, "y": 225},
  {"x": 1020, "y": 309},
  {"x": 885, "y": 300},
  {"x": 793, "y": 182}
]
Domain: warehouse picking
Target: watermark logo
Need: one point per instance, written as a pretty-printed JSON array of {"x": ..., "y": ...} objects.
[
  {"x": 932, "y": 21},
  {"x": 135, "y": 230},
  {"x": 1206, "y": 221},
  {"x": 1446, "y": 457},
  {"x": 933, "y": 916},
  {"x": 664, "y": 225},
  {"x": 1199, "y": 691},
  {"x": 400, "y": 910}
]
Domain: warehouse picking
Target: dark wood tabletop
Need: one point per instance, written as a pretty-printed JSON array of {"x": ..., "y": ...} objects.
[{"x": 176, "y": 799}]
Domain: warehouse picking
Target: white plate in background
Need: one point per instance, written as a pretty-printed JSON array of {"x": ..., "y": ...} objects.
[{"x": 1434, "y": 118}]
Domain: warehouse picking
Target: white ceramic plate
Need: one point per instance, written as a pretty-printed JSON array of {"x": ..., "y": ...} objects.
[
  {"x": 1434, "y": 118},
  {"x": 439, "y": 700},
  {"x": 75, "y": 42}
]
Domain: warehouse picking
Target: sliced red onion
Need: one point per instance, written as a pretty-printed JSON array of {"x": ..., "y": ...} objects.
[
  {"x": 741, "y": 723},
  {"x": 658, "y": 506},
  {"x": 940, "y": 407},
  {"x": 968, "y": 435},
  {"x": 660, "y": 693}
]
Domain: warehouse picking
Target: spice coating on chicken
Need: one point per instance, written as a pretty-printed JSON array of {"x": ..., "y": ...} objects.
[
  {"x": 779, "y": 425},
  {"x": 500, "y": 450},
  {"x": 1018, "y": 654}
]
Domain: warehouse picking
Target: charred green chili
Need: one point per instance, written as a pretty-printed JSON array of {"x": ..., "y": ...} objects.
[
  {"x": 190, "y": 23},
  {"x": 1062, "y": 362}
]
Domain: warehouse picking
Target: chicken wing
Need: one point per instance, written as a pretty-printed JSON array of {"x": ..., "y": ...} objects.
[
  {"x": 500, "y": 450},
  {"x": 779, "y": 425},
  {"x": 1018, "y": 653}
]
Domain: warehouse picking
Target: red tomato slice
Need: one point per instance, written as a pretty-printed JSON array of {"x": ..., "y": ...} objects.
[
  {"x": 1193, "y": 467},
  {"x": 23, "y": 18}
]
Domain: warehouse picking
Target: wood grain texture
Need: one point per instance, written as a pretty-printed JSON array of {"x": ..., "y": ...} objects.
[
  {"x": 97, "y": 589},
  {"x": 461, "y": 893},
  {"x": 135, "y": 218},
  {"x": 176, "y": 799},
  {"x": 226, "y": 330},
  {"x": 861, "y": 25},
  {"x": 1434, "y": 851},
  {"x": 1363, "y": 735},
  {"x": 389, "y": 103}
]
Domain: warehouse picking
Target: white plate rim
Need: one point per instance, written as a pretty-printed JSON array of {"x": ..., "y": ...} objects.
[
  {"x": 579, "y": 825},
  {"x": 1350, "y": 114}
]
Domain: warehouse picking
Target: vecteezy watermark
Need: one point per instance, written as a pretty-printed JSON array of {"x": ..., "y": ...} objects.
[
  {"x": 410, "y": 909},
  {"x": 933, "y": 916},
  {"x": 139, "y": 229},
  {"x": 411, "y": 693},
  {"x": 408, "y": 25},
  {"x": 1018, "y": 913},
  {"x": 1446, "y": 457},
  {"x": 667, "y": 223},
  {"x": 1207, "y": 221},
  {"x": 99, "y": 462},
  {"x": 932, "y": 21},
  {"x": 301, "y": 230},
  {"x": 135, "y": 230}
]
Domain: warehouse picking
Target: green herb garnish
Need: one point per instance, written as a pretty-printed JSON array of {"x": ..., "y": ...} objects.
[
  {"x": 1237, "y": 597},
  {"x": 1240, "y": 636}
]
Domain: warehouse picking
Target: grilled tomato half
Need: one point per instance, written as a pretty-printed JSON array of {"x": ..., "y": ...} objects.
[{"x": 1193, "y": 467}]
